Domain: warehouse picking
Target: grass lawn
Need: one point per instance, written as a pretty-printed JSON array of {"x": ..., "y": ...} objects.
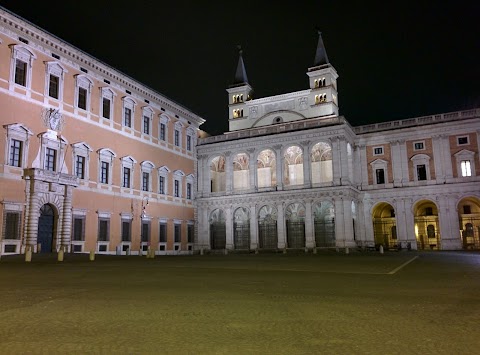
[{"x": 328, "y": 303}]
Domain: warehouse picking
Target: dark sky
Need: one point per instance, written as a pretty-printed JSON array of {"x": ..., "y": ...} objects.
[{"x": 394, "y": 61}]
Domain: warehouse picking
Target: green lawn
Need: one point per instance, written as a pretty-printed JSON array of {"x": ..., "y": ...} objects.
[{"x": 328, "y": 303}]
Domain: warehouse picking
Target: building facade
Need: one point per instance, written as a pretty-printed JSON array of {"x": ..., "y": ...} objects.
[
  {"x": 292, "y": 173},
  {"x": 90, "y": 159}
]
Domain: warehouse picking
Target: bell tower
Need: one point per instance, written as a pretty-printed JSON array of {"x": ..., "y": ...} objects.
[
  {"x": 238, "y": 93},
  {"x": 323, "y": 82}
]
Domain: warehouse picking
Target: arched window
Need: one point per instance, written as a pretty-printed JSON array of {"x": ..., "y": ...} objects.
[
  {"x": 293, "y": 166},
  {"x": 240, "y": 171},
  {"x": 321, "y": 167},
  {"x": 217, "y": 174},
  {"x": 266, "y": 169}
]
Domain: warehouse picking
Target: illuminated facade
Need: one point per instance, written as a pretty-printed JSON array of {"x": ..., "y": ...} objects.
[
  {"x": 292, "y": 173},
  {"x": 90, "y": 159}
]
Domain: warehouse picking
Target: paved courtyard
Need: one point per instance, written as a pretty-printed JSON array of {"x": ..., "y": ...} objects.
[{"x": 328, "y": 303}]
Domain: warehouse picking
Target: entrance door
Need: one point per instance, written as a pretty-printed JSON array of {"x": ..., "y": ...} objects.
[
  {"x": 45, "y": 228},
  {"x": 296, "y": 234}
]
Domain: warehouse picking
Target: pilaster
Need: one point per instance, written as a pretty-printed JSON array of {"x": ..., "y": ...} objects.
[
  {"x": 282, "y": 238},
  {"x": 309, "y": 233},
  {"x": 336, "y": 162},
  {"x": 252, "y": 169},
  {"x": 279, "y": 166},
  {"x": 229, "y": 228},
  {"x": 228, "y": 171},
  {"x": 253, "y": 227},
  {"x": 307, "y": 175}
]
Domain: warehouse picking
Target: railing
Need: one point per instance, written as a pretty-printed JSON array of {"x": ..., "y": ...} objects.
[{"x": 410, "y": 122}]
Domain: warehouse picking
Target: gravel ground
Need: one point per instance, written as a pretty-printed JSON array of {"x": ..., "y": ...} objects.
[{"x": 326, "y": 303}]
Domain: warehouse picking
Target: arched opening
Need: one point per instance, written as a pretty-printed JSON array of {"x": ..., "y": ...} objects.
[
  {"x": 266, "y": 169},
  {"x": 295, "y": 219},
  {"x": 267, "y": 228},
  {"x": 241, "y": 229},
  {"x": 322, "y": 170},
  {"x": 218, "y": 231},
  {"x": 217, "y": 174},
  {"x": 241, "y": 171},
  {"x": 427, "y": 229},
  {"x": 469, "y": 220},
  {"x": 46, "y": 229},
  {"x": 293, "y": 166},
  {"x": 384, "y": 226},
  {"x": 324, "y": 220}
]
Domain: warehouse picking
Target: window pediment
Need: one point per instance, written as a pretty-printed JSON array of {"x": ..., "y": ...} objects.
[
  {"x": 465, "y": 154},
  {"x": 82, "y": 146},
  {"x": 147, "y": 165},
  {"x": 55, "y": 68},
  {"x": 178, "y": 173},
  {"x": 128, "y": 160},
  {"x": 21, "y": 52},
  {"x": 18, "y": 128},
  {"x": 420, "y": 158},
  {"x": 163, "y": 170},
  {"x": 106, "y": 152},
  {"x": 164, "y": 118},
  {"x": 378, "y": 162},
  {"x": 107, "y": 92},
  {"x": 129, "y": 102}
]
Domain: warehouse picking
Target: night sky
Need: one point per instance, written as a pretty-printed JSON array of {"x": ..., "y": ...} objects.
[{"x": 394, "y": 61}]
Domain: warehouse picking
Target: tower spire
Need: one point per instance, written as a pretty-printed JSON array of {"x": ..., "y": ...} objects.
[
  {"x": 321, "y": 57},
  {"x": 240, "y": 73}
]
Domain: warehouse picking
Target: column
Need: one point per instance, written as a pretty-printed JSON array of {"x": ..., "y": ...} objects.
[
  {"x": 309, "y": 236},
  {"x": 348, "y": 222},
  {"x": 449, "y": 225},
  {"x": 34, "y": 213},
  {"x": 400, "y": 223},
  {"x": 203, "y": 237},
  {"x": 447, "y": 157},
  {"x": 228, "y": 171},
  {"x": 410, "y": 222},
  {"x": 439, "y": 159},
  {"x": 339, "y": 222},
  {"x": 229, "y": 228},
  {"x": 345, "y": 178},
  {"x": 356, "y": 165},
  {"x": 253, "y": 227},
  {"x": 66, "y": 218},
  {"x": 336, "y": 162},
  {"x": 200, "y": 175},
  {"x": 364, "y": 165},
  {"x": 404, "y": 161},
  {"x": 252, "y": 168},
  {"x": 307, "y": 175},
  {"x": 207, "y": 176},
  {"x": 279, "y": 166},
  {"x": 397, "y": 167},
  {"x": 360, "y": 222},
  {"x": 368, "y": 223},
  {"x": 282, "y": 237}
]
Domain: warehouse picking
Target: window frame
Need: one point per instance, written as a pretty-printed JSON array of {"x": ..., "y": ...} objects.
[
  {"x": 107, "y": 156},
  {"x": 107, "y": 94},
  {"x": 147, "y": 117},
  {"x": 382, "y": 151},
  {"x": 163, "y": 171},
  {"x": 23, "y": 54},
  {"x": 85, "y": 83},
  {"x": 130, "y": 104},
  {"x": 128, "y": 162},
  {"x": 463, "y": 156},
  {"x": 163, "y": 120},
  {"x": 418, "y": 160},
  {"x": 146, "y": 167},
  {"x": 461, "y": 137},
  {"x": 414, "y": 144},
  {"x": 379, "y": 164},
  {"x": 54, "y": 69},
  {"x": 81, "y": 149},
  {"x": 178, "y": 135},
  {"x": 18, "y": 132}
]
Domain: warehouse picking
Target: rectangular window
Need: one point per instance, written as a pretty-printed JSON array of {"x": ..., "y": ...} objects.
[
  {"x": 177, "y": 138},
  {"x": 20, "y": 72},
  {"x": 421, "y": 172},
  {"x": 378, "y": 151},
  {"x": 145, "y": 232},
  {"x": 189, "y": 143},
  {"x": 467, "y": 209},
  {"x": 12, "y": 225},
  {"x": 103, "y": 230},
  {"x": 106, "y": 108},
  {"x": 189, "y": 191},
  {"x": 380, "y": 175},
  {"x": 190, "y": 233},
  {"x": 126, "y": 228},
  {"x": 418, "y": 146},
  {"x": 466, "y": 167},
  {"x": 428, "y": 211},
  {"x": 145, "y": 181},
  {"x": 16, "y": 153},
  {"x": 126, "y": 177},
  {"x": 146, "y": 125},
  {"x": 161, "y": 185},
  {"x": 163, "y": 233},
  {"x": 177, "y": 188},
  {"x": 462, "y": 140},
  {"x": 78, "y": 228},
  {"x": 162, "y": 131},
  {"x": 82, "y": 98},
  {"x": 178, "y": 233},
  {"x": 128, "y": 117},
  {"x": 50, "y": 159},
  {"x": 104, "y": 172},
  {"x": 80, "y": 167},
  {"x": 53, "y": 87}
]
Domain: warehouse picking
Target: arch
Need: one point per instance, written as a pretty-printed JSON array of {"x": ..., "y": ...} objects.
[
  {"x": 241, "y": 228},
  {"x": 321, "y": 163},
  {"x": 217, "y": 174},
  {"x": 295, "y": 223},
  {"x": 267, "y": 227},
  {"x": 324, "y": 224},
  {"x": 266, "y": 168},
  {"x": 384, "y": 225},
  {"x": 218, "y": 233},
  {"x": 241, "y": 172},
  {"x": 469, "y": 217},
  {"x": 427, "y": 226},
  {"x": 286, "y": 115},
  {"x": 147, "y": 164},
  {"x": 293, "y": 165}
]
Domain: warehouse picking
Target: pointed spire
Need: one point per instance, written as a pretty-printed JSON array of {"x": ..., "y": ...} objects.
[
  {"x": 241, "y": 73},
  {"x": 321, "y": 57}
]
